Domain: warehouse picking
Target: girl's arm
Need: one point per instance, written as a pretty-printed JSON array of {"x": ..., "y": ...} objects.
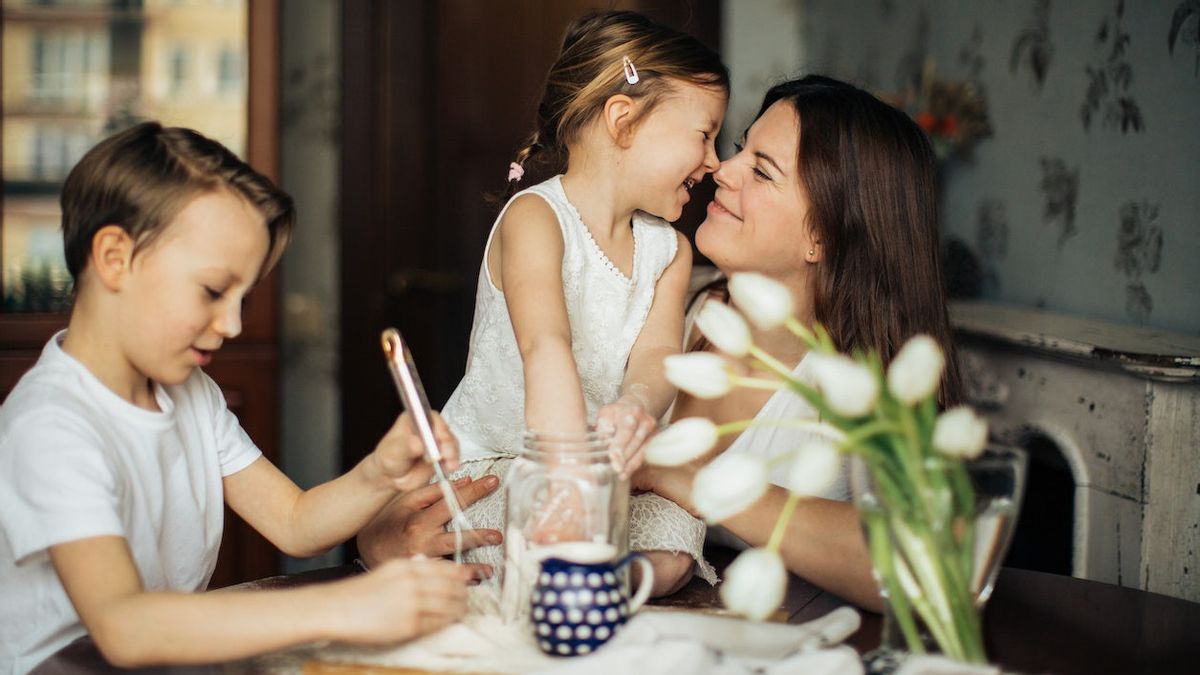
[
  {"x": 530, "y": 275},
  {"x": 304, "y": 523},
  {"x": 134, "y": 627},
  {"x": 823, "y": 542},
  {"x": 645, "y": 393}
]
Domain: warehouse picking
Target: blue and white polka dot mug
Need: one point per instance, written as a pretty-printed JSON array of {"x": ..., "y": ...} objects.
[{"x": 578, "y": 601}]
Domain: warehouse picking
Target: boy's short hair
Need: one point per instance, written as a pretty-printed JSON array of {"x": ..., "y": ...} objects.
[{"x": 142, "y": 177}]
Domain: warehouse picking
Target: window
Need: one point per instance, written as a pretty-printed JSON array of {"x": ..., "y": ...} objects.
[{"x": 76, "y": 71}]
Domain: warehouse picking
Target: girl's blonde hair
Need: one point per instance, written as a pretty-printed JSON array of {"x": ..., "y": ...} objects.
[{"x": 590, "y": 69}]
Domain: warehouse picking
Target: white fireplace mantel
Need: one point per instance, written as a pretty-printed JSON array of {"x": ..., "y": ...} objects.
[{"x": 1122, "y": 403}]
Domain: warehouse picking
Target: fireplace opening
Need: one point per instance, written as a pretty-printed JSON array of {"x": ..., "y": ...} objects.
[{"x": 1044, "y": 538}]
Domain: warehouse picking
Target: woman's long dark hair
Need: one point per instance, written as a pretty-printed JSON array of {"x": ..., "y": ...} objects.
[{"x": 868, "y": 171}]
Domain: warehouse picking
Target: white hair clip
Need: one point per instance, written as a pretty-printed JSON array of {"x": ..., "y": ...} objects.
[{"x": 631, "y": 75}]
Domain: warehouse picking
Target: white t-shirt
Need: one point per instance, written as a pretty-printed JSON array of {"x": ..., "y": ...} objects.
[{"x": 78, "y": 461}]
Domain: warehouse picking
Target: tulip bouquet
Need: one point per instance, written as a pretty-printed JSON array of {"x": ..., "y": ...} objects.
[{"x": 920, "y": 520}]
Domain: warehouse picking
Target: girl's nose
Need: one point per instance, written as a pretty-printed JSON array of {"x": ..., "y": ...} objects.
[{"x": 711, "y": 161}]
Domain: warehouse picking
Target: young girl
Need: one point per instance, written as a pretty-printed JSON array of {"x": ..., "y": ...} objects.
[
  {"x": 116, "y": 449},
  {"x": 582, "y": 285}
]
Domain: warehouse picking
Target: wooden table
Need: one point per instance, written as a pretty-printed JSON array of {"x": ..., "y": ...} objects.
[{"x": 1035, "y": 623}]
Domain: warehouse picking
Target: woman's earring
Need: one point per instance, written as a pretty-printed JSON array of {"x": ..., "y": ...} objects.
[{"x": 812, "y": 253}]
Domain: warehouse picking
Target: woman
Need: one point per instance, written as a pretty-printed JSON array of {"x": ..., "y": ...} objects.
[{"x": 833, "y": 196}]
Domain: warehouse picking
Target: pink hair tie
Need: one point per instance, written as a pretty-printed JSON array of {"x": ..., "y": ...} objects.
[{"x": 515, "y": 172}]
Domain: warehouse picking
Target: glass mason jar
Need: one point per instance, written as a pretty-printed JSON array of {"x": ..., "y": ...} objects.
[{"x": 562, "y": 487}]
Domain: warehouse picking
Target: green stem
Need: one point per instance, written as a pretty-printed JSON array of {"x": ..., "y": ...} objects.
[
  {"x": 801, "y": 331},
  {"x": 881, "y": 555},
  {"x": 781, "y": 523},
  {"x": 771, "y": 362}
]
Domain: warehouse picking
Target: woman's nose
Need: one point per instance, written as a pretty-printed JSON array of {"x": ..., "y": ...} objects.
[{"x": 723, "y": 174}]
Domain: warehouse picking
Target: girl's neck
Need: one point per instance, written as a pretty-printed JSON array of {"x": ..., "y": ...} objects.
[{"x": 592, "y": 188}]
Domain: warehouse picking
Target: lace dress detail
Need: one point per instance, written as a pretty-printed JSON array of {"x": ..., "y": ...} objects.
[{"x": 606, "y": 311}]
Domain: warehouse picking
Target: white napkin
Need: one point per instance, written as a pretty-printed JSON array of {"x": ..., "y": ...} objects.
[
  {"x": 681, "y": 642},
  {"x": 654, "y": 641},
  {"x": 940, "y": 665}
]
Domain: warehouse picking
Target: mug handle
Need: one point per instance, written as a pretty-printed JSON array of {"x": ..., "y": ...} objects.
[{"x": 643, "y": 591}]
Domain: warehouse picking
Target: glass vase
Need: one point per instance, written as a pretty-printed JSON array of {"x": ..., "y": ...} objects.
[
  {"x": 936, "y": 537},
  {"x": 562, "y": 487}
]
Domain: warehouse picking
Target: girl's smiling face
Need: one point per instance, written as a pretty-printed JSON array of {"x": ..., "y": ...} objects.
[
  {"x": 674, "y": 147},
  {"x": 758, "y": 219}
]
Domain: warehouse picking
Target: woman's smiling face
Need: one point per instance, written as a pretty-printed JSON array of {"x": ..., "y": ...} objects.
[{"x": 758, "y": 219}]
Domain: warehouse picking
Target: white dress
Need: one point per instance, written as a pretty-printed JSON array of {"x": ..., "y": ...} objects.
[{"x": 606, "y": 311}]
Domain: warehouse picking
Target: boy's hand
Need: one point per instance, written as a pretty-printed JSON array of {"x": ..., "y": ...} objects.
[
  {"x": 400, "y": 600},
  {"x": 631, "y": 424},
  {"x": 398, "y": 456}
]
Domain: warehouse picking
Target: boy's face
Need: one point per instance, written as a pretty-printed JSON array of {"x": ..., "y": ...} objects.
[{"x": 183, "y": 296}]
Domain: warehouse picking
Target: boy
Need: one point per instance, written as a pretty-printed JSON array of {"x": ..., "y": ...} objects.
[{"x": 116, "y": 449}]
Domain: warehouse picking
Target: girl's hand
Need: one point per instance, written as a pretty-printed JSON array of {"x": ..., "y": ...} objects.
[
  {"x": 399, "y": 600},
  {"x": 564, "y": 515},
  {"x": 398, "y": 456},
  {"x": 631, "y": 424}
]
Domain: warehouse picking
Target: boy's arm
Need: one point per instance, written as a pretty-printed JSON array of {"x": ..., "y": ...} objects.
[
  {"x": 133, "y": 627},
  {"x": 309, "y": 522},
  {"x": 645, "y": 392},
  {"x": 531, "y": 254}
]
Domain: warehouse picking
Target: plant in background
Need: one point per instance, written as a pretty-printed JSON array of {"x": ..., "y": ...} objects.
[
  {"x": 922, "y": 542},
  {"x": 952, "y": 113}
]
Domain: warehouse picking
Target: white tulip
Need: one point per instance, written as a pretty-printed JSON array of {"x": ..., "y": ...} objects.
[
  {"x": 755, "y": 583},
  {"x": 916, "y": 371},
  {"x": 728, "y": 485},
  {"x": 724, "y": 327},
  {"x": 959, "y": 432},
  {"x": 814, "y": 469},
  {"x": 849, "y": 387},
  {"x": 766, "y": 302},
  {"x": 701, "y": 374},
  {"x": 681, "y": 442}
]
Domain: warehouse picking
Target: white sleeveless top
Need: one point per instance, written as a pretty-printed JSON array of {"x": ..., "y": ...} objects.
[{"x": 606, "y": 311}]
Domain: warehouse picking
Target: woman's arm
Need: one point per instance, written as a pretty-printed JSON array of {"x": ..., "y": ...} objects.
[
  {"x": 133, "y": 627},
  {"x": 530, "y": 273},
  {"x": 645, "y": 392},
  {"x": 823, "y": 542}
]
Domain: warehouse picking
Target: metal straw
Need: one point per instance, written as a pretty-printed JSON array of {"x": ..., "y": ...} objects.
[{"x": 412, "y": 393}]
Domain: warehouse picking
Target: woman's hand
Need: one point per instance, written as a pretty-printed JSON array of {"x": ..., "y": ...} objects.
[
  {"x": 398, "y": 456},
  {"x": 415, "y": 524},
  {"x": 398, "y": 601},
  {"x": 672, "y": 482},
  {"x": 631, "y": 424}
]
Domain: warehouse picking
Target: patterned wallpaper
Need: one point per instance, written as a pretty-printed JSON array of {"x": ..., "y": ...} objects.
[{"x": 1086, "y": 199}]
